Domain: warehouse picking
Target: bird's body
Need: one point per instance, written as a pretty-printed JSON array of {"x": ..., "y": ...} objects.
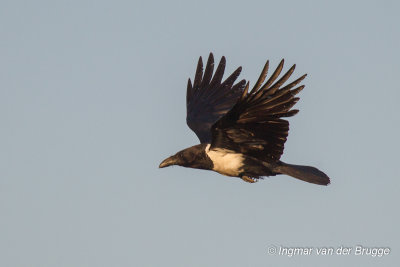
[
  {"x": 225, "y": 161},
  {"x": 242, "y": 133}
]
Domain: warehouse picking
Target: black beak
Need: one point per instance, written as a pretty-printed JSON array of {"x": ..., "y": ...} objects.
[{"x": 168, "y": 162}]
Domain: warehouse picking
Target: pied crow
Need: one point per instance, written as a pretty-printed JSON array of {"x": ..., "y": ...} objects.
[{"x": 242, "y": 134}]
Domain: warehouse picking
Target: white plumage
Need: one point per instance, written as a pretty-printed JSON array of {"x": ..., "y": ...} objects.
[{"x": 226, "y": 162}]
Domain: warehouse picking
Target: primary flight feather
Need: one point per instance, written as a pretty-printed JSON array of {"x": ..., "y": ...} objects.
[{"x": 242, "y": 134}]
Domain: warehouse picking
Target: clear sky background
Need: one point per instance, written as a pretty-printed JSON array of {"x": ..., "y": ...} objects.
[{"x": 92, "y": 99}]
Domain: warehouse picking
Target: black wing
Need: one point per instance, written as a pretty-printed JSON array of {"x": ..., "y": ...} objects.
[
  {"x": 209, "y": 98},
  {"x": 254, "y": 126}
]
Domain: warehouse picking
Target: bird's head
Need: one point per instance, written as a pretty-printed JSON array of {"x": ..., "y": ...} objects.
[
  {"x": 189, "y": 157},
  {"x": 177, "y": 159}
]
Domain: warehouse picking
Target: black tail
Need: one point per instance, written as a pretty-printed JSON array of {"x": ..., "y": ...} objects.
[{"x": 304, "y": 173}]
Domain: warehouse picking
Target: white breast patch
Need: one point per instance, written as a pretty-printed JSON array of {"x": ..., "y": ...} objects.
[{"x": 226, "y": 162}]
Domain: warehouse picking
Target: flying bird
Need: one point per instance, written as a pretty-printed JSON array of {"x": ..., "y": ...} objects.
[{"x": 242, "y": 134}]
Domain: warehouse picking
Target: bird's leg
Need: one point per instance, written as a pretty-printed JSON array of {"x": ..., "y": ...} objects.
[{"x": 249, "y": 179}]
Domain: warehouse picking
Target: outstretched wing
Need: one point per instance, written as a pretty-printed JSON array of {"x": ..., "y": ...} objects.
[
  {"x": 209, "y": 98},
  {"x": 254, "y": 126}
]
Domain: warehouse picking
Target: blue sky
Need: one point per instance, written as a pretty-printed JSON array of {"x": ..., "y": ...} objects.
[{"x": 92, "y": 98}]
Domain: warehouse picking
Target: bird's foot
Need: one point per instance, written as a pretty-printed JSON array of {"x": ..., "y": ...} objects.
[{"x": 249, "y": 179}]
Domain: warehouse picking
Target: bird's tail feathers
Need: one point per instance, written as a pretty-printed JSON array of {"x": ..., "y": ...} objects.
[{"x": 304, "y": 173}]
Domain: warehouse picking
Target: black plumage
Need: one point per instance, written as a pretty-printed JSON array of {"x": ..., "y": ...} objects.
[
  {"x": 242, "y": 133},
  {"x": 209, "y": 98}
]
